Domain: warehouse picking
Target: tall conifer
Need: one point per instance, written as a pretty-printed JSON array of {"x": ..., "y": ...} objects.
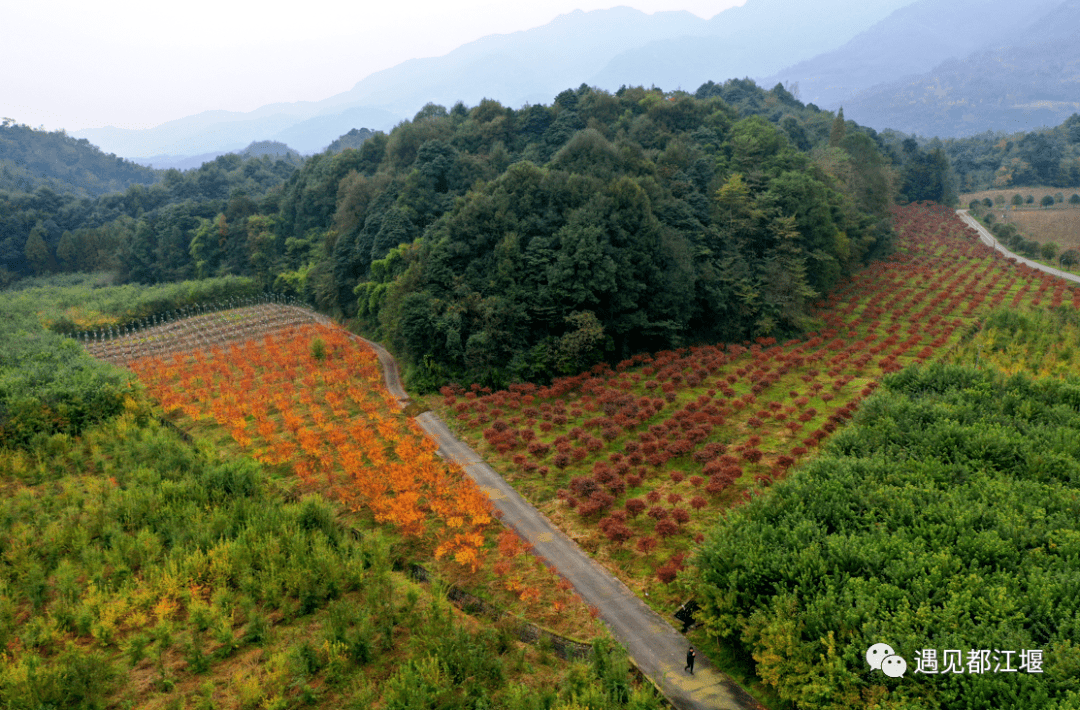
[{"x": 838, "y": 129}]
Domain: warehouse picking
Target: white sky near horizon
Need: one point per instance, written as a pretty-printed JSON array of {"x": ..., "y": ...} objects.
[{"x": 74, "y": 64}]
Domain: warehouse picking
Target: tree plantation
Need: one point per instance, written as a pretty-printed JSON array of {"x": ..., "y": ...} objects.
[
  {"x": 140, "y": 572},
  {"x": 739, "y": 350},
  {"x": 148, "y": 567},
  {"x": 946, "y": 517}
]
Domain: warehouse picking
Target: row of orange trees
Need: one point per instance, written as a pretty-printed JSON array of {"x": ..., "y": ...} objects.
[
  {"x": 649, "y": 452},
  {"x": 312, "y": 398}
]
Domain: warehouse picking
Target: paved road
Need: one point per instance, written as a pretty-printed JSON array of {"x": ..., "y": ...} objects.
[
  {"x": 656, "y": 647},
  {"x": 991, "y": 241}
]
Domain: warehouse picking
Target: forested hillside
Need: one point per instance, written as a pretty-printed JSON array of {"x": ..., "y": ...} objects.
[
  {"x": 353, "y": 139},
  {"x": 142, "y": 234},
  {"x": 30, "y": 159},
  {"x": 490, "y": 244},
  {"x": 1049, "y": 157},
  {"x": 599, "y": 226}
]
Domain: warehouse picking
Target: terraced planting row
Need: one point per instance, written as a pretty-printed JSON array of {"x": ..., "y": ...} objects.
[
  {"x": 200, "y": 332},
  {"x": 636, "y": 461}
]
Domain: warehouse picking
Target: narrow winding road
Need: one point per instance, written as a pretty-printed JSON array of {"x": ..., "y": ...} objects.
[
  {"x": 991, "y": 241},
  {"x": 654, "y": 645}
]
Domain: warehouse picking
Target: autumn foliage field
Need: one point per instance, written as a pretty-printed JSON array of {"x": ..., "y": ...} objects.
[
  {"x": 636, "y": 461},
  {"x": 310, "y": 401},
  {"x": 258, "y": 557},
  {"x": 326, "y": 414}
]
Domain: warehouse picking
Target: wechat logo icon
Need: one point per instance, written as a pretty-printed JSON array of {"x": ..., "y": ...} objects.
[{"x": 882, "y": 657}]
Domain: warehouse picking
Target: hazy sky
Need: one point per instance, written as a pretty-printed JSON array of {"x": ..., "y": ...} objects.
[{"x": 134, "y": 64}]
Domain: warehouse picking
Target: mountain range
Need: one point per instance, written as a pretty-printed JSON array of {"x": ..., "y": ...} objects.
[
  {"x": 605, "y": 48},
  {"x": 932, "y": 67},
  {"x": 1024, "y": 80}
]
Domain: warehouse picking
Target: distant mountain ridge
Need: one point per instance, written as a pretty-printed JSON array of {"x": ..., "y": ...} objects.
[
  {"x": 605, "y": 48},
  {"x": 911, "y": 40},
  {"x": 953, "y": 68},
  {"x": 754, "y": 40},
  {"x": 256, "y": 149},
  {"x": 218, "y": 132},
  {"x": 1028, "y": 82}
]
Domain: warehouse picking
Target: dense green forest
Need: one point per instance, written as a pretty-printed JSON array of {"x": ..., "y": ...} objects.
[
  {"x": 142, "y": 234},
  {"x": 31, "y": 158},
  {"x": 946, "y": 517},
  {"x": 536, "y": 242},
  {"x": 490, "y": 244},
  {"x": 1048, "y": 157}
]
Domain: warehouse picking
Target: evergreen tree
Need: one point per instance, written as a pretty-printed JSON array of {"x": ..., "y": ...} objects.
[
  {"x": 36, "y": 251},
  {"x": 67, "y": 251},
  {"x": 839, "y": 129}
]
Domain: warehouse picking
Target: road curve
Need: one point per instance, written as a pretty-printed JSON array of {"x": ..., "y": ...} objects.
[
  {"x": 391, "y": 376},
  {"x": 654, "y": 645},
  {"x": 991, "y": 241}
]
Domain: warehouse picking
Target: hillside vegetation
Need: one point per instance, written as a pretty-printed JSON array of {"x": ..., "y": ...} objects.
[
  {"x": 648, "y": 310},
  {"x": 31, "y": 158},
  {"x": 142, "y": 234},
  {"x": 1043, "y": 157},
  {"x": 944, "y": 518},
  {"x": 144, "y": 572},
  {"x": 496, "y": 244},
  {"x": 148, "y": 568},
  {"x": 640, "y": 461}
]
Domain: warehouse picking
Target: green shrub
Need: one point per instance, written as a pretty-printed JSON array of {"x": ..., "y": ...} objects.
[{"x": 941, "y": 520}]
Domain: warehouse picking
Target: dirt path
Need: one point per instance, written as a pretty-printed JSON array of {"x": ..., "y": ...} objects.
[
  {"x": 654, "y": 645},
  {"x": 390, "y": 371},
  {"x": 991, "y": 241}
]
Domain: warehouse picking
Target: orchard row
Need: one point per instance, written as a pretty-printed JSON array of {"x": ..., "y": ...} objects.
[
  {"x": 312, "y": 398},
  {"x": 647, "y": 453}
]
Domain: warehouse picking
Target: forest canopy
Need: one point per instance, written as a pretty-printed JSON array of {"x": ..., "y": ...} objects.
[
  {"x": 494, "y": 245},
  {"x": 31, "y": 158},
  {"x": 491, "y": 244},
  {"x": 1047, "y": 157}
]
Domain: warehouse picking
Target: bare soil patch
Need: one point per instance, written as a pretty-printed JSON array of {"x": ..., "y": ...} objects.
[{"x": 1061, "y": 226}]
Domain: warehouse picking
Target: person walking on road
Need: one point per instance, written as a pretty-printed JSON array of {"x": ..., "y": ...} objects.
[{"x": 690, "y": 660}]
